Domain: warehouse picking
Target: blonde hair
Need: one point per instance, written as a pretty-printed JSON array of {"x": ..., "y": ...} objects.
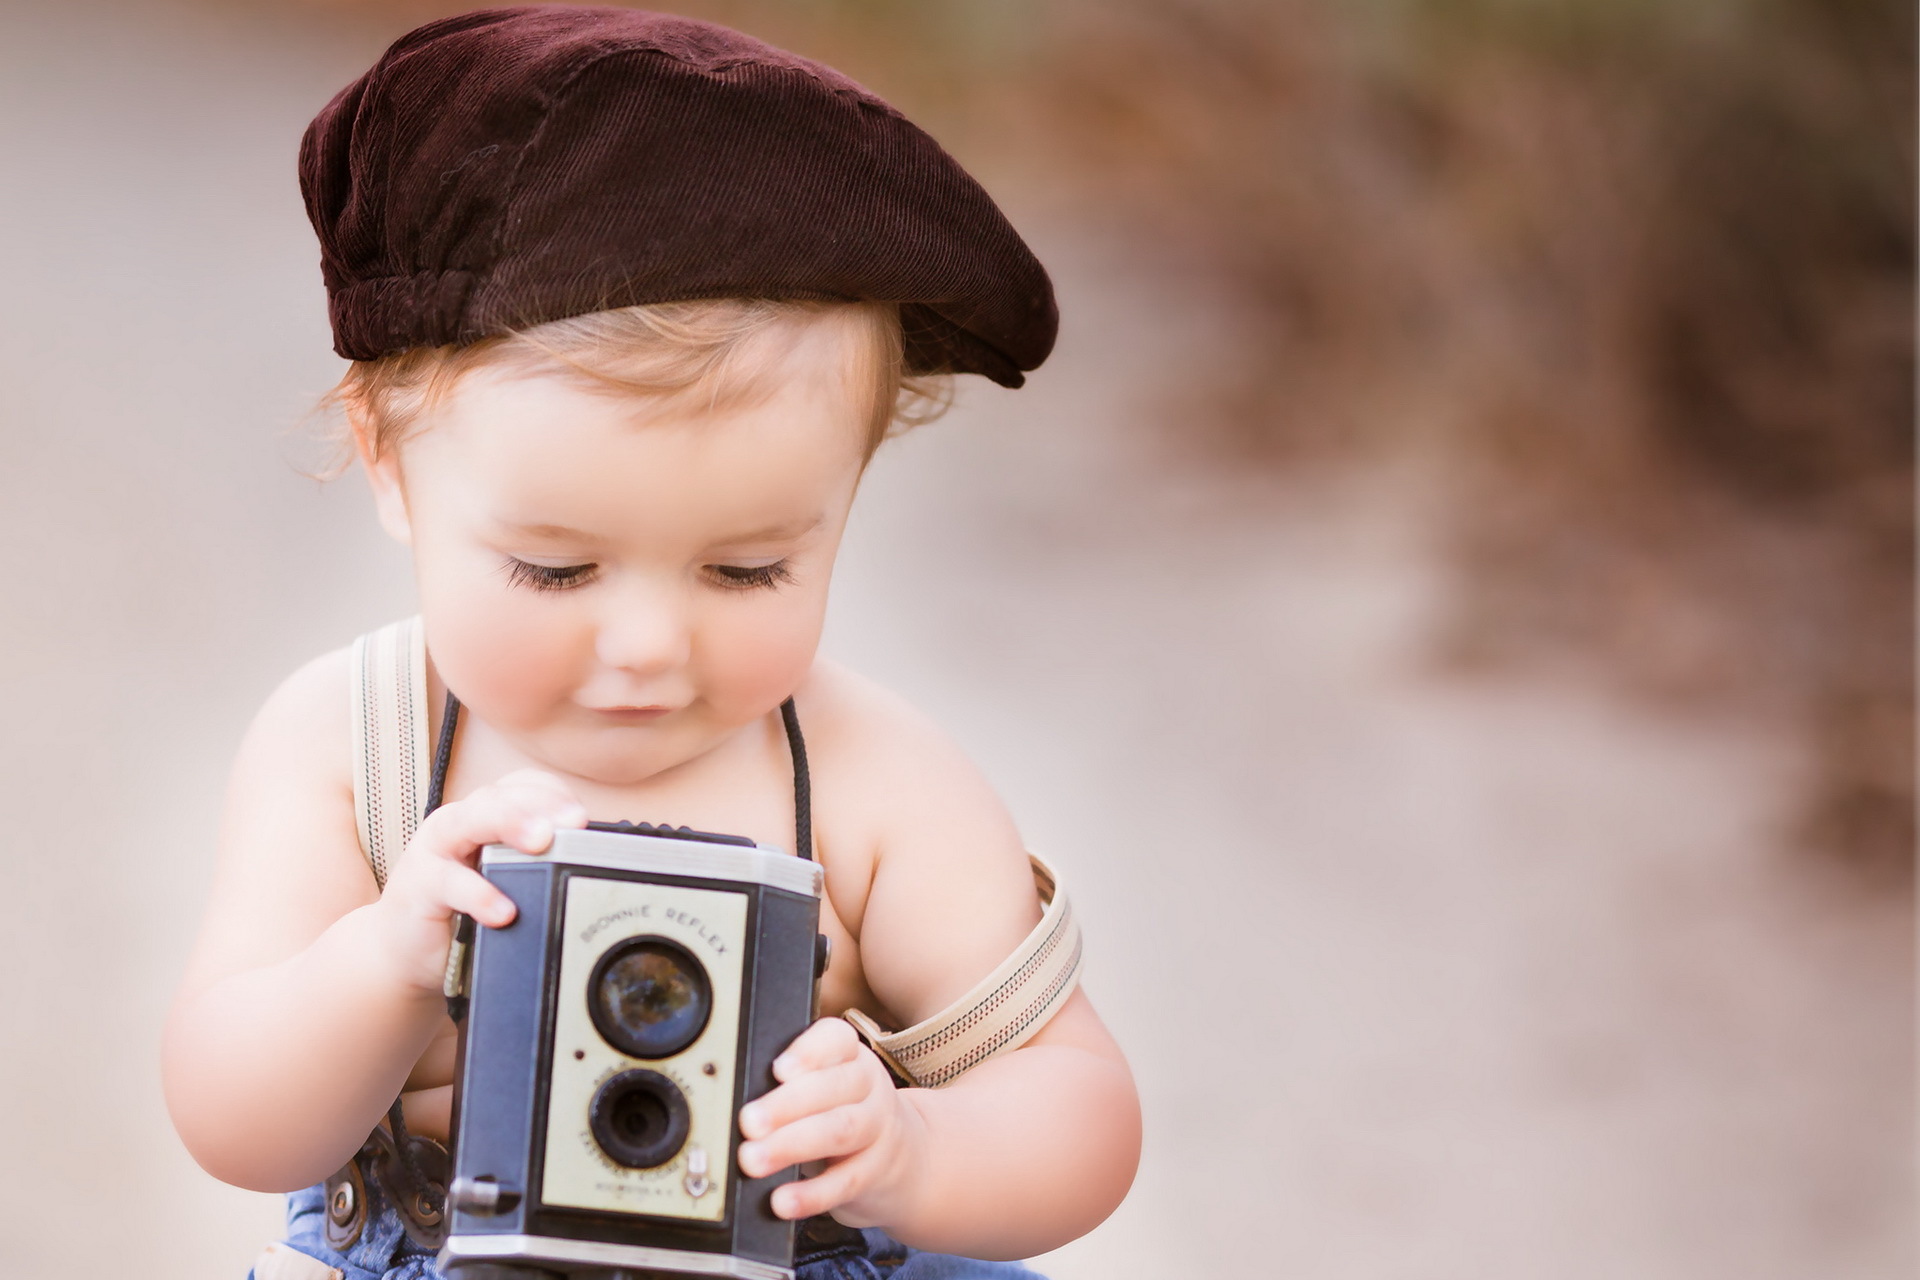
[{"x": 718, "y": 353}]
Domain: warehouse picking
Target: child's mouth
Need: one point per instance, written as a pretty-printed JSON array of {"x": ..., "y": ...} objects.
[{"x": 633, "y": 715}]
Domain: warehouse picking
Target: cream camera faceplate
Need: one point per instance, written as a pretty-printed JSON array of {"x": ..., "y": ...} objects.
[{"x": 600, "y": 914}]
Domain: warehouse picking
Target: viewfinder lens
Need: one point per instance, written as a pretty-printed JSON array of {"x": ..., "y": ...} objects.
[{"x": 649, "y": 997}]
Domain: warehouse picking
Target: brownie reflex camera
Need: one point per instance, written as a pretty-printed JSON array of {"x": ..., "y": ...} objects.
[{"x": 613, "y": 1031}]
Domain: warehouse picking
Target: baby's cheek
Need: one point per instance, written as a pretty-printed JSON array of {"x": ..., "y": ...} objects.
[
  {"x": 749, "y": 668},
  {"x": 511, "y": 665}
]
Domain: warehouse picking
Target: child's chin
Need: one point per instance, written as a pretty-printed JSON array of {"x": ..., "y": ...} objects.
[{"x": 616, "y": 754}]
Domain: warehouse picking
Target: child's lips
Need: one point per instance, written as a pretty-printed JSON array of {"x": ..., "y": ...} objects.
[{"x": 634, "y": 715}]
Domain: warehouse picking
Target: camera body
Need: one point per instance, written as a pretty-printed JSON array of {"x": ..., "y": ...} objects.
[{"x": 613, "y": 1032}]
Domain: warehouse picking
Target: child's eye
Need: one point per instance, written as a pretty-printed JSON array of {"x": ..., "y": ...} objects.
[
  {"x": 540, "y": 577},
  {"x": 740, "y": 577}
]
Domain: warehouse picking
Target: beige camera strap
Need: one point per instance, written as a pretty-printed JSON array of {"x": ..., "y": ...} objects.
[
  {"x": 1001, "y": 1012},
  {"x": 390, "y": 747}
]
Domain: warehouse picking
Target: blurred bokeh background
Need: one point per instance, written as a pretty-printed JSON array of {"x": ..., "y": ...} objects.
[{"x": 1448, "y": 604}]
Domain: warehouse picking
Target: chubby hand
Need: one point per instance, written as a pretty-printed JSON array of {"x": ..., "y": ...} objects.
[
  {"x": 436, "y": 875},
  {"x": 836, "y": 1103}
]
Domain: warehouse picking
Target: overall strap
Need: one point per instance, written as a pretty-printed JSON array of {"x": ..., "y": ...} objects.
[
  {"x": 394, "y": 787},
  {"x": 389, "y": 723}
]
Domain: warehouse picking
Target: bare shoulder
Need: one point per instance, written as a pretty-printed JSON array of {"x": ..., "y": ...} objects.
[
  {"x": 306, "y": 718},
  {"x": 923, "y": 861},
  {"x": 894, "y": 772},
  {"x": 289, "y": 860}
]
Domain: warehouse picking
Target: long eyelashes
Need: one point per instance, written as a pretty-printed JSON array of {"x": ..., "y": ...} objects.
[
  {"x": 731, "y": 577},
  {"x": 540, "y": 577},
  {"x": 736, "y": 577}
]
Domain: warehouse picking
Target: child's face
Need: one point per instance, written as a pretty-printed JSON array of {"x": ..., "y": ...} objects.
[{"x": 614, "y": 590}]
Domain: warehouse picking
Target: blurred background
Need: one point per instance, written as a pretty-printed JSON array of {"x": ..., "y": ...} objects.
[{"x": 1448, "y": 604}]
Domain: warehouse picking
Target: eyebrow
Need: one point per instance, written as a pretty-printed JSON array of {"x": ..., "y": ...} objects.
[
  {"x": 555, "y": 532},
  {"x": 770, "y": 533},
  {"x": 777, "y": 532}
]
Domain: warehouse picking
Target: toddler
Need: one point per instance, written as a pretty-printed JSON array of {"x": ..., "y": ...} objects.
[{"x": 631, "y": 300}]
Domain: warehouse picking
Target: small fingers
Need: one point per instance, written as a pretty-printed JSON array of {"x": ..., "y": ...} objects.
[
  {"x": 436, "y": 888},
  {"x": 435, "y": 877},
  {"x": 523, "y": 810},
  {"x": 827, "y": 1043},
  {"x": 466, "y": 890},
  {"x": 545, "y": 792},
  {"x": 843, "y": 1131},
  {"x": 806, "y": 1095},
  {"x": 529, "y": 806},
  {"x": 842, "y": 1182}
]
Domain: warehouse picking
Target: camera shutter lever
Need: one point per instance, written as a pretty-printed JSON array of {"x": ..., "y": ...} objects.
[
  {"x": 696, "y": 1181},
  {"x": 482, "y": 1196}
]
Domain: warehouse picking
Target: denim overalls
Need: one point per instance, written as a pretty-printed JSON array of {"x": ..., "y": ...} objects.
[
  {"x": 379, "y": 1247},
  {"x": 825, "y": 1250}
]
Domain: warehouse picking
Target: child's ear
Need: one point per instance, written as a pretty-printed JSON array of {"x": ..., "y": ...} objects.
[{"x": 383, "y": 477}]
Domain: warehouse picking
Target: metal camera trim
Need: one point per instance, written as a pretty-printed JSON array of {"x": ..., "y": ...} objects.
[
  {"x": 595, "y": 1253},
  {"x": 762, "y": 864}
]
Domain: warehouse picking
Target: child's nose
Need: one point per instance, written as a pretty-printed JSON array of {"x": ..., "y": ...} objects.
[{"x": 646, "y": 632}]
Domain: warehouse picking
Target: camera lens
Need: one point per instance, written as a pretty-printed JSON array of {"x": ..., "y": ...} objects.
[
  {"x": 649, "y": 997},
  {"x": 639, "y": 1118}
]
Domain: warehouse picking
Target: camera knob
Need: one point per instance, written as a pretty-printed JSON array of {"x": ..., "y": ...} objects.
[
  {"x": 482, "y": 1196},
  {"x": 822, "y": 954}
]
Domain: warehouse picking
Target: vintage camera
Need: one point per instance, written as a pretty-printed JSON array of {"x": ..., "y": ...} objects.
[{"x": 612, "y": 1033}]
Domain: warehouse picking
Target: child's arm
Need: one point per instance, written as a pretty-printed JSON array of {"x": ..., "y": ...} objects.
[
  {"x": 1027, "y": 1150},
  {"x": 310, "y": 995}
]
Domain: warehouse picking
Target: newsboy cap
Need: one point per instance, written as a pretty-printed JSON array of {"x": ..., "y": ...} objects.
[{"x": 513, "y": 166}]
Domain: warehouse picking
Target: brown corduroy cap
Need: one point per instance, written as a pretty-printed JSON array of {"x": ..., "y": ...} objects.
[{"x": 514, "y": 166}]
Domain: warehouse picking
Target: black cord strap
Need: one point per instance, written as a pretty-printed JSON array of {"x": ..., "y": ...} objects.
[
  {"x": 802, "y": 785},
  {"x": 442, "y": 754},
  {"x": 417, "y": 1183}
]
